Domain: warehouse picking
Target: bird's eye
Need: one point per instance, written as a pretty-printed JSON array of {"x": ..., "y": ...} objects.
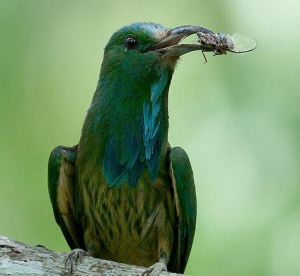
[{"x": 130, "y": 43}]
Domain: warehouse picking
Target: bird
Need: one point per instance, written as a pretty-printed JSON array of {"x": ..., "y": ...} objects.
[{"x": 123, "y": 193}]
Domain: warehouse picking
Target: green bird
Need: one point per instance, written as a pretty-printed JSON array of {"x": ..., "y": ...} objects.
[{"x": 123, "y": 193}]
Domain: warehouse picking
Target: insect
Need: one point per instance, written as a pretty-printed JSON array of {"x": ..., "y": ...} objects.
[{"x": 220, "y": 43}]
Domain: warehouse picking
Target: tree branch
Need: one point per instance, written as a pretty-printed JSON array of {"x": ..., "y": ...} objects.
[{"x": 18, "y": 259}]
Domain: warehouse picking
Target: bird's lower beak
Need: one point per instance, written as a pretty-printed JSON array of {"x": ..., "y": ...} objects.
[{"x": 169, "y": 47}]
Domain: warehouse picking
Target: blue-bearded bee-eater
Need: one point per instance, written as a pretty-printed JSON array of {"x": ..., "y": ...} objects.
[{"x": 123, "y": 193}]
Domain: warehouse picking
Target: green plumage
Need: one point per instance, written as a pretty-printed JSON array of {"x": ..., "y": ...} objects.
[{"x": 123, "y": 193}]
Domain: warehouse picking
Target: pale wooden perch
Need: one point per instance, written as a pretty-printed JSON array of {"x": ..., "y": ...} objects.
[{"x": 18, "y": 259}]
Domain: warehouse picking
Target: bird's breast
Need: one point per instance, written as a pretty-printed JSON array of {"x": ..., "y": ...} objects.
[{"x": 124, "y": 224}]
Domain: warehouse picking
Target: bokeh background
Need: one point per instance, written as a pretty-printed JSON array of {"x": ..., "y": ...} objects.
[{"x": 237, "y": 117}]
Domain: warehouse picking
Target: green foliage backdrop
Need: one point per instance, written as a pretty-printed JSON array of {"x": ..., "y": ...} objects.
[{"x": 238, "y": 118}]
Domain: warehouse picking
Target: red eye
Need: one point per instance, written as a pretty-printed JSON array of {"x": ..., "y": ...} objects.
[{"x": 130, "y": 43}]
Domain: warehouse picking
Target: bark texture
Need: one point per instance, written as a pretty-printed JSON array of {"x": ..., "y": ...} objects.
[{"x": 18, "y": 259}]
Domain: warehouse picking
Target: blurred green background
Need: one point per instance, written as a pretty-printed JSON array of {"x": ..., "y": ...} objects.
[{"x": 237, "y": 117}]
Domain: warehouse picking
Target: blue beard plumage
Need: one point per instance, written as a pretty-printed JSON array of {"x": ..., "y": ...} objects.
[{"x": 134, "y": 141}]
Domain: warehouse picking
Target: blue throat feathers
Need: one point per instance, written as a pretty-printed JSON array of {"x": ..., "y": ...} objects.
[{"x": 139, "y": 147}]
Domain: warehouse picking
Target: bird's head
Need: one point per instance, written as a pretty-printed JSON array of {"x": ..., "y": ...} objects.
[{"x": 141, "y": 47}]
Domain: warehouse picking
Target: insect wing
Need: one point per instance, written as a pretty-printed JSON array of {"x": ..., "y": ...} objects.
[{"x": 242, "y": 43}]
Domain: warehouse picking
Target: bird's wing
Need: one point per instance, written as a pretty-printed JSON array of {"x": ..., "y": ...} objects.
[
  {"x": 61, "y": 180},
  {"x": 186, "y": 208}
]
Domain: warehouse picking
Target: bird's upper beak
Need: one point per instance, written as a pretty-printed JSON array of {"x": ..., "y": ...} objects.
[{"x": 168, "y": 46}]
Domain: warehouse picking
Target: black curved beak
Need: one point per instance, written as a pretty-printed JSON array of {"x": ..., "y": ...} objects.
[{"x": 169, "y": 45}]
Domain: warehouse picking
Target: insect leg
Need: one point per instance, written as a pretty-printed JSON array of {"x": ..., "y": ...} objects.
[{"x": 204, "y": 57}]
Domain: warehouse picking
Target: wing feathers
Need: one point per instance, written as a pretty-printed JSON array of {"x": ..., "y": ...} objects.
[
  {"x": 186, "y": 207},
  {"x": 61, "y": 180}
]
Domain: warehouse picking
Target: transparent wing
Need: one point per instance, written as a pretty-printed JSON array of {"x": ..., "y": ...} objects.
[{"x": 241, "y": 43}]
